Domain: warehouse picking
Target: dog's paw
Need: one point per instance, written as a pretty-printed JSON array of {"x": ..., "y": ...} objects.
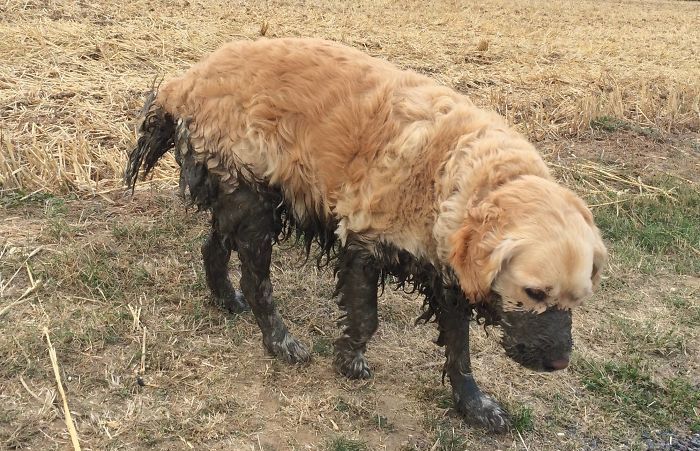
[
  {"x": 484, "y": 411},
  {"x": 290, "y": 350},
  {"x": 352, "y": 365},
  {"x": 232, "y": 302}
]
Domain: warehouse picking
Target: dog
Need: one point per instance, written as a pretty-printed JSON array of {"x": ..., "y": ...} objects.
[{"x": 395, "y": 178}]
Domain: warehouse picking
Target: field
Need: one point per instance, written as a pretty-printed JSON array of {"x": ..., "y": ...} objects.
[{"x": 608, "y": 91}]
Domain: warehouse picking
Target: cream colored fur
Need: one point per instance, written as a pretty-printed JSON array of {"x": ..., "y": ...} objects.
[{"x": 393, "y": 157}]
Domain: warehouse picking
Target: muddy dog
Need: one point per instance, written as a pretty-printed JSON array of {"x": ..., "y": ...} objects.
[{"x": 397, "y": 179}]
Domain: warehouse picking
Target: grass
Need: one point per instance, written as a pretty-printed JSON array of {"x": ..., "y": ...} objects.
[
  {"x": 634, "y": 348},
  {"x": 345, "y": 444},
  {"x": 657, "y": 225},
  {"x": 522, "y": 419},
  {"x": 439, "y": 395},
  {"x": 18, "y": 197},
  {"x": 361, "y": 414},
  {"x": 613, "y": 124},
  {"x": 445, "y": 434},
  {"x": 628, "y": 391},
  {"x": 649, "y": 338},
  {"x": 450, "y": 440},
  {"x": 611, "y": 102},
  {"x": 322, "y": 346},
  {"x": 683, "y": 307},
  {"x": 74, "y": 75}
]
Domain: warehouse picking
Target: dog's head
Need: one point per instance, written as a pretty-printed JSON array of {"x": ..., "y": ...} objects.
[{"x": 532, "y": 248}]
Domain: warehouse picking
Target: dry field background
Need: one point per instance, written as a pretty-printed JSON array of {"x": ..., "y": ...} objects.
[{"x": 608, "y": 90}]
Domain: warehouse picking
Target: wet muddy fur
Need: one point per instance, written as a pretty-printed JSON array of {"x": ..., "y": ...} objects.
[{"x": 253, "y": 217}]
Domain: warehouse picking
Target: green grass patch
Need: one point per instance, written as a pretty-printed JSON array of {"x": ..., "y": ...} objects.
[
  {"x": 648, "y": 338},
  {"x": 628, "y": 390},
  {"x": 169, "y": 230},
  {"x": 446, "y": 437},
  {"x": 612, "y": 124},
  {"x": 98, "y": 273},
  {"x": 522, "y": 418},
  {"x": 322, "y": 346},
  {"x": 342, "y": 405},
  {"x": 358, "y": 413},
  {"x": 438, "y": 396},
  {"x": 55, "y": 209},
  {"x": 686, "y": 311},
  {"x": 608, "y": 124},
  {"x": 11, "y": 199},
  {"x": 94, "y": 272},
  {"x": 655, "y": 226},
  {"x": 346, "y": 444}
]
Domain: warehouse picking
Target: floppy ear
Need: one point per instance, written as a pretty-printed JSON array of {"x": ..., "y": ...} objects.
[
  {"x": 600, "y": 257},
  {"x": 600, "y": 253},
  {"x": 479, "y": 251}
]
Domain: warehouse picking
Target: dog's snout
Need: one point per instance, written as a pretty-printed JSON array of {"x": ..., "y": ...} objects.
[
  {"x": 541, "y": 342},
  {"x": 558, "y": 364}
]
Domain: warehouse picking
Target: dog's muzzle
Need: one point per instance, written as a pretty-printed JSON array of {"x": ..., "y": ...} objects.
[{"x": 541, "y": 342}]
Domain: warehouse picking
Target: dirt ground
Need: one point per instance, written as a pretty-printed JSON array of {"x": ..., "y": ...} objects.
[
  {"x": 120, "y": 271},
  {"x": 609, "y": 93}
]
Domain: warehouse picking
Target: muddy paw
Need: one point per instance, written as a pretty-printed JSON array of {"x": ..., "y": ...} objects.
[
  {"x": 290, "y": 350},
  {"x": 484, "y": 411},
  {"x": 352, "y": 365},
  {"x": 233, "y": 302}
]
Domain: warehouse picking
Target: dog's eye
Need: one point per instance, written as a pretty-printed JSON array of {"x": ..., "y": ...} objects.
[{"x": 535, "y": 294}]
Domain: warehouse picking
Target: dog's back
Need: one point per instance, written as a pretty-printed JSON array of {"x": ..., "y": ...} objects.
[{"x": 342, "y": 134}]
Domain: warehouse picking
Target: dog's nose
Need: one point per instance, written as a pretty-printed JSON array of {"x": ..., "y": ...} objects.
[{"x": 559, "y": 364}]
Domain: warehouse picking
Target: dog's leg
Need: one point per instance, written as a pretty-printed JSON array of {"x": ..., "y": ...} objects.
[
  {"x": 254, "y": 225},
  {"x": 216, "y": 255},
  {"x": 475, "y": 406},
  {"x": 358, "y": 274}
]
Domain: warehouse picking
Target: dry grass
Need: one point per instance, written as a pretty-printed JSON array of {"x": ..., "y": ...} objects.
[
  {"x": 73, "y": 73},
  {"x": 147, "y": 363},
  {"x": 608, "y": 89}
]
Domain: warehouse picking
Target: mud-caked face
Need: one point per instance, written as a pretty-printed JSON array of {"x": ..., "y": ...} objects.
[
  {"x": 532, "y": 252},
  {"x": 537, "y": 289},
  {"x": 538, "y": 341}
]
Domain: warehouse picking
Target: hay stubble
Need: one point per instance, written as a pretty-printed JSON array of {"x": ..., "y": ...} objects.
[{"x": 72, "y": 79}]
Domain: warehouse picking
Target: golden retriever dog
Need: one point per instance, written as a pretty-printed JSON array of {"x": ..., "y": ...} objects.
[{"x": 395, "y": 178}]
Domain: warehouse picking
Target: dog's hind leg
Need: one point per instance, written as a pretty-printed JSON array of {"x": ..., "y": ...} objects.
[
  {"x": 249, "y": 220},
  {"x": 453, "y": 320},
  {"x": 358, "y": 275},
  {"x": 216, "y": 253}
]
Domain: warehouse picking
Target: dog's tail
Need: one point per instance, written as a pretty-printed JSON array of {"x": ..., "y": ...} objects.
[{"x": 156, "y": 137}]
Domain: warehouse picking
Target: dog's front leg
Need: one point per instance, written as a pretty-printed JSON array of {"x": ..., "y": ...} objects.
[
  {"x": 358, "y": 275},
  {"x": 470, "y": 401}
]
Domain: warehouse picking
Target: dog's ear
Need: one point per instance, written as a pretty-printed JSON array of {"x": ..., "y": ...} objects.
[
  {"x": 600, "y": 253},
  {"x": 479, "y": 250},
  {"x": 600, "y": 257}
]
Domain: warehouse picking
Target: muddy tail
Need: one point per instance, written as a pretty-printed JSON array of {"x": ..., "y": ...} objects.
[{"x": 156, "y": 137}]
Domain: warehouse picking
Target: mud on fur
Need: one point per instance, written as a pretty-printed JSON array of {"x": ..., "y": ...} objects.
[{"x": 397, "y": 179}]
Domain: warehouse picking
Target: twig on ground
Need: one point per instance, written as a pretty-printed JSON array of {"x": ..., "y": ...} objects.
[
  {"x": 31, "y": 254},
  {"x": 143, "y": 351},
  {"x": 35, "y": 286},
  {"x": 66, "y": 411},
  {"x": 136, "y": 316},
  {"x": 26, "y": 387},
  {"x": 522, "y": 441}
]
